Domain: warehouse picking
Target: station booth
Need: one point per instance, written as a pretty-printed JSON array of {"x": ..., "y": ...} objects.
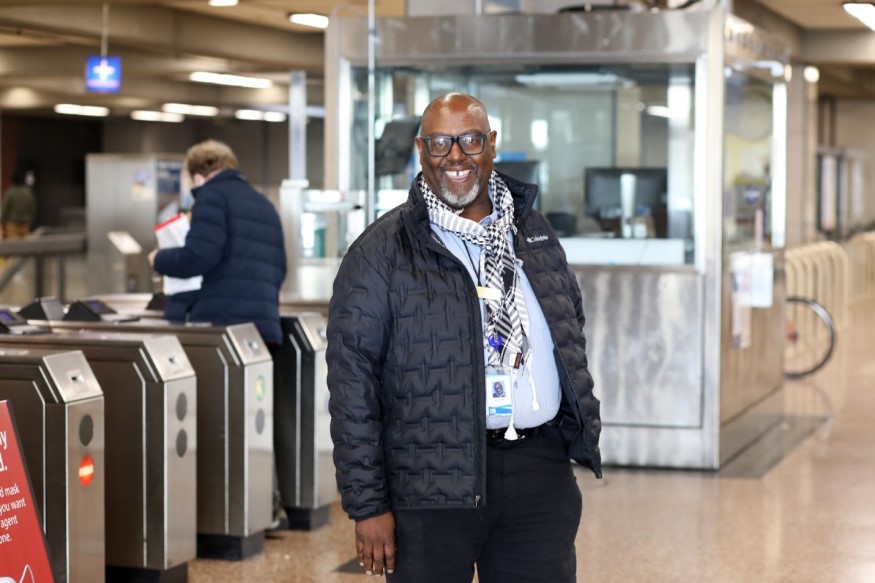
[{"x": 659, "y": 142}]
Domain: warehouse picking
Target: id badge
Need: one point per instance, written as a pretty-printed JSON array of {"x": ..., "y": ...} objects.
[{"x": 498, "y": 387}]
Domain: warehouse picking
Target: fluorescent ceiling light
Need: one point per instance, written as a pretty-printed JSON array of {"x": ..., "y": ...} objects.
[
  {"x": 256, "y": 115},
  {"x": 89, "y": 110},
  {"x": 314, "y": 20},
  {"x": 223, "y": 2},
  {"x": 143, "y": 115},
  {"x": 232, "y": 80},
  {"x": 862, "y": 11},
  {"x": 248, "y": 114},
  {"x": 568, "y": 79},
  {"x": 186, "y": 109}
]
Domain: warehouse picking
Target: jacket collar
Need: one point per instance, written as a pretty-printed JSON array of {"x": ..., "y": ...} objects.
[{"x": 229, "y": 174}]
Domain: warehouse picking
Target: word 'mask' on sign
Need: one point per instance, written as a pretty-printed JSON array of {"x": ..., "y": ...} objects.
[
  {"x": 23, "y": 554},
  {"x": 103, "y": 74}
]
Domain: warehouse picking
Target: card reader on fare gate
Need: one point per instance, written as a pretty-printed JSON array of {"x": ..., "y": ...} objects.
[
  {"x": 12, "y": 323},
  {"x": 91, "y": 310}
]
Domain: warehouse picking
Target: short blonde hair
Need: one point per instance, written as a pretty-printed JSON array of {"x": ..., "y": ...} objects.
[{"x": 209, "y": 157}]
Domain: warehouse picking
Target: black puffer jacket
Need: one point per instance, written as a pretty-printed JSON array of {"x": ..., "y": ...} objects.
[{"x": 406, "y": 367}]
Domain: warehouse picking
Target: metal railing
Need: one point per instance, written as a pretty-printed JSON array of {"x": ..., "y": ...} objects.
[
  {"x": 40, "y": 245},
  {"x": 821, "y": 272}
]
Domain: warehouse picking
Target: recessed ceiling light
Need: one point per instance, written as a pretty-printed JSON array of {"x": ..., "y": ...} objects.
[
  {"x": 143, "y": 115},
  {"x": 257, "y": 115},
  {"x": 307, "y": 19},
  {"x": 186, "y": 109},
  {"x": 232, "y": 80},
  {"x": 862, "y": 11},
  {"x": 223, "y": 2},
  {"x": 89, "y": 110}
]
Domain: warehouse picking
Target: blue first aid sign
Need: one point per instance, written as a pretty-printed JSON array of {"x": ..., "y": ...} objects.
[{"x": 103, "y": 74}]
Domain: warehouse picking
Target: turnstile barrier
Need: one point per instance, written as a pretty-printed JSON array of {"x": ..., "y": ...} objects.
[{"x": 59, "y": 406}]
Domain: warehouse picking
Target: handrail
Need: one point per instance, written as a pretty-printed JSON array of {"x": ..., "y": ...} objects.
[
  {"x": 861, "y": 251},
  {"x": 821, "y": 272}
]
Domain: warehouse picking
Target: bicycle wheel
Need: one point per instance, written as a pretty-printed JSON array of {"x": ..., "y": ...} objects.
[{"x": 811, "y": 337}]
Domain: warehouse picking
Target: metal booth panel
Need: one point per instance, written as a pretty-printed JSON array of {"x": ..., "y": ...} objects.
[{"x": 644, "y": 355}]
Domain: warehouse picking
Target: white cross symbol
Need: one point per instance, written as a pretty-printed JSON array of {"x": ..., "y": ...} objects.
[{"x": 103, "y": 70}]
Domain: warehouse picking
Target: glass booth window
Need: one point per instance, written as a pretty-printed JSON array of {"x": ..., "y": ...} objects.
[
  {"x": 611, "y": 148},
  {"x": 747, "y": 152}
]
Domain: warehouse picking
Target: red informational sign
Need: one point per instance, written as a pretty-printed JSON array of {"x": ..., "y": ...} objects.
[{"x": 23, "y": 554}]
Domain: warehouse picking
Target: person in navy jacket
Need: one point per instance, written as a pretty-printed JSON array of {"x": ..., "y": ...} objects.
[{"x": 235, "y": 243}]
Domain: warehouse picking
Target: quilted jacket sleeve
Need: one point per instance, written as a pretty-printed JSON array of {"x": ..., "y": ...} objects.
[
  {"x": 358, "y": 337},
  {"x": 205, "y": 242}
]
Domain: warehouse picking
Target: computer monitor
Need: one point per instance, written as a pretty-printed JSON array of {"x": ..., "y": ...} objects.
[
  {"x": 524, "y": 170},
  {"x": 602, "y": 199},
  {"x": 393, "y": 149}
]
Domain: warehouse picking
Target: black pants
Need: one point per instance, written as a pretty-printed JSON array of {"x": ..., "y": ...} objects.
[{"x": 525, "y": 532}]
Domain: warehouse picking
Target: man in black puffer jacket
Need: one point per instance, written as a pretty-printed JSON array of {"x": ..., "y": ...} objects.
[
  {"x": 235, "y": 242},
  {"x": 458, "y": 374}
]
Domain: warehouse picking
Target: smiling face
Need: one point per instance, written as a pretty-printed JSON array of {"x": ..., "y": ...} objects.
[{"x": 458, "y": 179}]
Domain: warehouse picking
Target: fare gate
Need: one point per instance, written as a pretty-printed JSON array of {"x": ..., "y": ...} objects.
[
  {"x": 58, "y": 407},
  {"x": 305, "y": 469},
  {"x": 150, "y": 399}
]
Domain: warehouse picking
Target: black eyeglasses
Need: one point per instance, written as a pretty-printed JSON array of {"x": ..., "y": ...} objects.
[{"x": 440, "y": 146}]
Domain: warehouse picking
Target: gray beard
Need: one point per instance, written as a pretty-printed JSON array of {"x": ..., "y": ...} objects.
[{"x": 459, "y": 201}]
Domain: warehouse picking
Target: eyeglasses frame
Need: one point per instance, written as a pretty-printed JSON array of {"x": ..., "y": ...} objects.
[{"x": 455, "y": 141}]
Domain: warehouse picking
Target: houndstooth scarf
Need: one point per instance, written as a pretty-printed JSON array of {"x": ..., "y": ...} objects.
[{"x": 507, "y": 324}]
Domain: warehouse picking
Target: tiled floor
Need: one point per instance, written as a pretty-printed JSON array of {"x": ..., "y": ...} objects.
[{"x": 810, "y": 518}]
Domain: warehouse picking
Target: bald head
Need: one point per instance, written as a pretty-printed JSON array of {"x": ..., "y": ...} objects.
[{"x": 454, "y": 103}]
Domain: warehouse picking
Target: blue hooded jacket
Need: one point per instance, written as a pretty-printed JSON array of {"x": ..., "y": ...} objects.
[{"x": 236, "y": 244}]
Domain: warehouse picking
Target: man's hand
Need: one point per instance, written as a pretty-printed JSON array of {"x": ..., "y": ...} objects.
[
  {"x": 375, "y": 543},
  {"x": 152, "y": 255}
]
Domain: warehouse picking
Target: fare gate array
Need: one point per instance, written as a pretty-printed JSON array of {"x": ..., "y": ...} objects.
[
  {"x": 234, "y": 373},
  {"x": 201, "y": 400},
  {"x": 150, "y": 452}
]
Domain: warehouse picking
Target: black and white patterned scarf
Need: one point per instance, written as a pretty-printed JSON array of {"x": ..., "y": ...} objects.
[{"x": 507, "y": 317}]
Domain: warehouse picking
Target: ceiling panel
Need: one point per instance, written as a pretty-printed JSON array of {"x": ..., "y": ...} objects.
[{"x": 43, "y": 41}]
